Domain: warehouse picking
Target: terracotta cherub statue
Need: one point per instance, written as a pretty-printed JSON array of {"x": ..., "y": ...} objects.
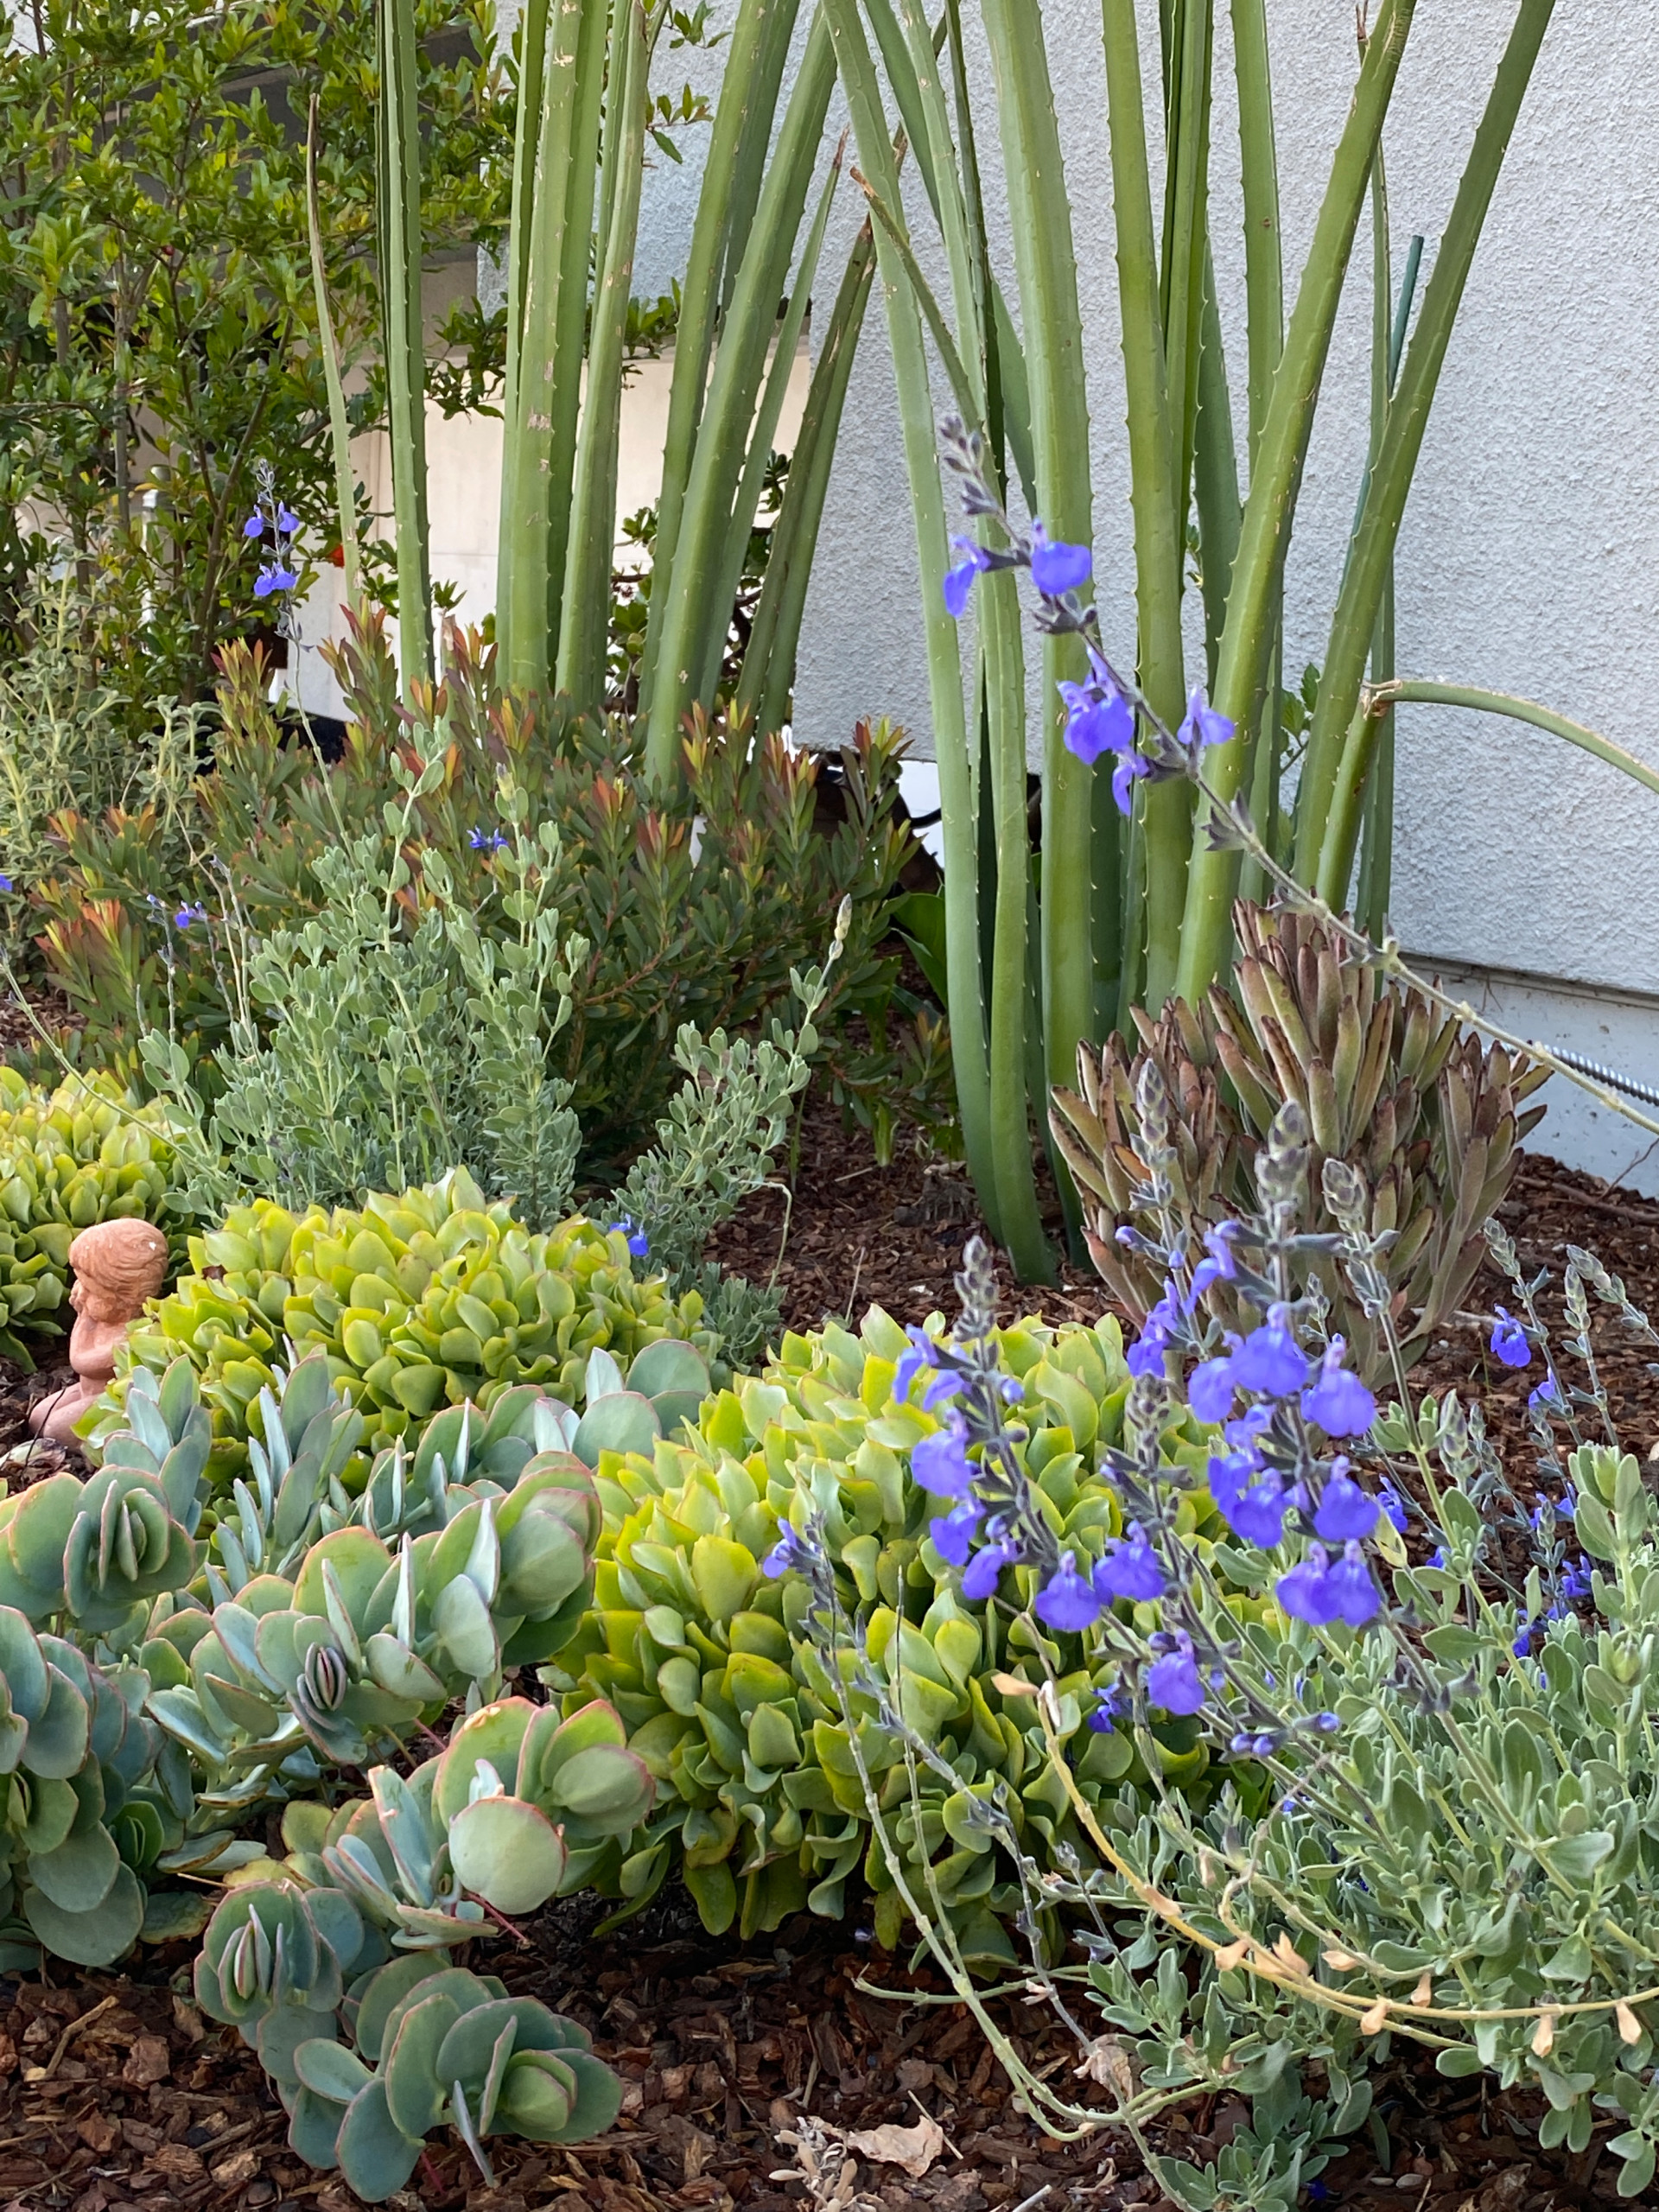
[{"x": 119, "y": 1265}]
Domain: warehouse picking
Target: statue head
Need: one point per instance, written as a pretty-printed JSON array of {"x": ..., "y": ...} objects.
[{"x": 118, "y": 1266}]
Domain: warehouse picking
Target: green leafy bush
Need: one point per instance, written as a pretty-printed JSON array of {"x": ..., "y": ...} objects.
[
  {"x": 419, "y": 1302},
  {"x": 66, "y": 748},
  {"x": 81, "y": 1153},
  {"x": 690, "y": 907},
  {"x": 726, "y": 1700}
]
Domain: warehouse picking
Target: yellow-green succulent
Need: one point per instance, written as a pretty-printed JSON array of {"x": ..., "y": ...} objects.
[
  {"x": 419, "y": 1302},
  {"x": 761, "y": 1806}
]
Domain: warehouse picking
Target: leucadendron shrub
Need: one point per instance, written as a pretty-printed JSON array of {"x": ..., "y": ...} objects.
[
  {"x": 80, "y": 1153},
  {"x": 702, "y": 1651},
  {"x": 428, "y": 1299}
]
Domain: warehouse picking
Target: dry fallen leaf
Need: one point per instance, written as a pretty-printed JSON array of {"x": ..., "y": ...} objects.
[
  {"x": 237, "y": 2170},
  {"x": 147, "y": 2060},
  {"x": 914, "y": 2149},
  {"x": 1106, "y": 2061}
]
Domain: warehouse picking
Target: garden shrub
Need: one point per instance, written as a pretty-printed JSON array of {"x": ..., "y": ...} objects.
[
  {"x": 423, "y": 1300},
  {"x": 724, "y": 1696},
  {"x": 690, "y": 905},
  {"x": 66, "y": 749},
  {"x": 81, "y": 1153},
  {"x": 1424, "y": 1810}
]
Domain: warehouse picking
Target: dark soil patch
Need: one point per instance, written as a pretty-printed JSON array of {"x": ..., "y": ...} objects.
[{"x": 115, "y": 2091}]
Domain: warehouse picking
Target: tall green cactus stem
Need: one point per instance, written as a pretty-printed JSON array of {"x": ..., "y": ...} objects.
[
  {"x": 1264, "y": 537},
  {"x": 761, "y": 28},
  {"x": 547, "y": 294},
  {"x": 340, "y": 429},
  {"x": 1045, "y": 261},
  {"x": 586, "y": 600},
  {"x": 959, "y": 817},
  {"x": 768, "y": 674},
  {"x": 1155, "y": 497},
  {"x": 405, "y": 347},
  {"x": 696, "y": 615}
]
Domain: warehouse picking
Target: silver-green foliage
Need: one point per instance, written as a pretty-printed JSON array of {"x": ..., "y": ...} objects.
[
  {"x": 369, "y": 1054},
  {"x": 66, "y": 747},
  {"x": 335, "y": 1969}
]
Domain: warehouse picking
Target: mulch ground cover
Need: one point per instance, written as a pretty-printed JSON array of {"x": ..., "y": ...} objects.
[{"x": 746, "y": 2064}]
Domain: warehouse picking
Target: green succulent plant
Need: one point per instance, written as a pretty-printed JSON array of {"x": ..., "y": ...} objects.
[
  {"x": 452, "y": 2049},
  {"x": 521, "y": 1807},
  {"x": 91, "y": 1806},
  {"x": 761, "y": 1806},
  {"x": 84, "y": 1153},
  {"x": 266, "y": 1678},
  {"x": 419, "y": 1302},
  {"x": 1429, "y": 1118}
]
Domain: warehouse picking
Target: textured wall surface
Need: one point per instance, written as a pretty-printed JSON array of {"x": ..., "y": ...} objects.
[{"x": 1527, "y": 556}]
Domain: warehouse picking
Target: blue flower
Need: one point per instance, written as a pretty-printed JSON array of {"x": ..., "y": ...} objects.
[
  {"x": 1250, "y": 1499},
  {"x": 1220, "y": 1266},
  {"x": 1056, "y": 568},
  {"x": 1270, "y": 1360},
  {"x": 1211, "y": 1389},
  {"x": 1337, "y": 1400},
  {"x": 485, "y": 841},
  {"x": 286, "y": 521},
  {"x": 639, "y": 1243},
  {"x": 254, "y": 526},
  {"x": 1096, "y": 722},
  {"x": 1394, "y": 1507},
  {"x": 953, "y": 1533},
  {"x": 1344, "y": 1511},
  {"x": 1576, "y": 1582},
  {"x": 1319, "y": 1592},
  {"x": 5, "y": 883},
  {"x": 1068, "y": 1600},
  {"x": 1109, "y": 1711},
  {"x": 1123, "y": 779},
  {"x": 788, "y": 1552},
  {"x": 1546, "y": 1395},
  {"x": 917, "y": 1354},
  {"x": 186, "y": 915},
  {"x": 940, "y": 1463},
  {"x": 1509, "y": 1340},
  {"x": 1522, "y": 1646},
  {"x": 958, "y": 581},
  {"x": 1145, "y": 1356},
  {"x": 985, "y": 1568},
  {"x": 1130, "y": 1569},
  {"x": 1437, "y": 1557},
  {"x": 1204, "y": 726},
  {"x": 1172, "y": 1681},
  {"x": 274, "y": 576},
  {"x": 944, "y": 1384}
]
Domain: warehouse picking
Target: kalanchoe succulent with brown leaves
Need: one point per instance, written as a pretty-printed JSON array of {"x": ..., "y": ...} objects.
[{"x": 1429, "y": 1120}]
